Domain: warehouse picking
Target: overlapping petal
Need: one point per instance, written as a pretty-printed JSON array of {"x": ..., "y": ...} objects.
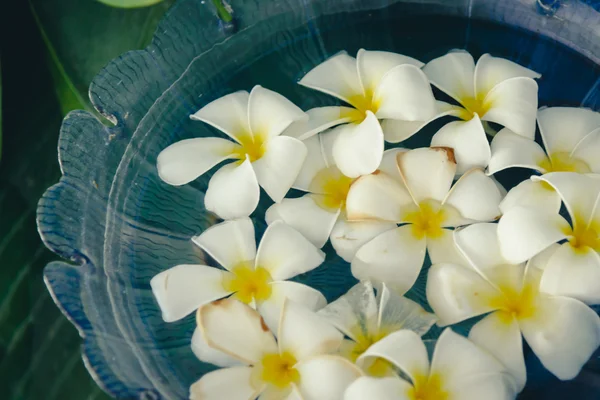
[
  {"x": 562, "y": 128},
  {"x": 512, "y": 150}
]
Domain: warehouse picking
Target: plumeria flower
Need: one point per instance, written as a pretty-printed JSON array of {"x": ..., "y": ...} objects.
[
  {"x": 321, "y": 213},
  {"x": 562, "y": 332},
  {"x": 495, "y": 90},
  {"x": 574, "y": 269},
  {"x": 571, "y": 137},
  {"x": 254, "y": 121},
  {"x": 377, "y": 85},
  {"x": 420, "y": 196},
  {"x": 459, "y": 370},
  {"x": 365, "y": 320},
  {"x": 298, "y": 365}
]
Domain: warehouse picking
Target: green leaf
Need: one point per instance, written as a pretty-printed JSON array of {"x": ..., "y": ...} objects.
[{"x": 130, "y": 3}]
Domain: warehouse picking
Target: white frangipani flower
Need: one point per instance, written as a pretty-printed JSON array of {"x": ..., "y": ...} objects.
[
  {"x": 378, "y": 85},
  {"x": 563, "y": 332},
  {"x": 574, "y": 269},
  {"x": 255, "y": 122},
  {"x": 459, "y": 370},
  {"x": 420, "y": 198},
  {"x": 365, "y": 320},
  {"x": 495, "y": 90},
  {"x": 296, "y": 365},
  {"x": 571, "y": 137},
  {"x": 321, "y": 213}
]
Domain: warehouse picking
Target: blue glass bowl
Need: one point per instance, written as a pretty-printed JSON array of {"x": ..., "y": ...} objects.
[{"x": 118, "y": 224}]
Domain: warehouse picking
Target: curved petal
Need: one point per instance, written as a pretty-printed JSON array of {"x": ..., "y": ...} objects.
[
  {"x": 326, "y": 377},
  {"x": 229, "y": 383},
  {"x": 563, "y": 336},
  {"x": 269, "y": 113},
  {"x": 500, "y": 386},
  {"x": 358, "y": 149},
  {"x": 373, "y": 65},
  {"x": 573, "y": 273},
  {"x": 313, "y": 163},
  {"x": 233, "y": 191},
  {"x": 184, "y": 161},
  {"x": 347, "y": 237},
  {"x": 234, "y": 328},
  {"x": 336, "y": 76},
  {"x": 490, "y": 71},
  {"x": 530, "y": 193},
  {"x": 404, "y": 93},
  {"x": 397, "y": 312},
  {"x": 524, "y": 232},
  {"x": 501, "y": 336},
  {"x": 456, "y": 293},
  {"x": 587, "y": 150},
  {"x": 376, "y": 388},
  {"x": 396, "y": 131},
  {"x": 279, "y": 167},
  {"x": 469, "y": 142},
  {"x": 511, "y": 150},
  {"x": 320, "y": 119},
  {"x": 180, "y": 290},
  {"x": 513, "y": 104},
  {"x": 442, "y": 249},
  {"x": 479, "y": 244},
  {"x": 389, "y": 165},
  {"x": 394, "y": 257},
  {"x": 476, "y": 196},
  {"x": 562, "y": 128},
  {"x": 453, "y": 74},
  {"x": 229, "y": 114},
  {"x": 428, "y": 172},
  {"x": 207, "y": 354},
  {"x": 229, "y": 243},
  {"x": 306, "y": 216},
  {"x": 285, "y": 253}
]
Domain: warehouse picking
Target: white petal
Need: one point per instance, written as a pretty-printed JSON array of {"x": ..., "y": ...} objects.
[
  {"x": 476, "y": 196},
  {"x": 404, "y": 93},
  {"x": 337, "y": 76},
  {"x": 500, "y": 386},
  {"x": 511, "y": 150},
  {"x": 396, "y": 131},
  {"x": 573, "y": 273},
  {"x": 588, "y": 149},
  {"x": 502, "y": 338},
  {"x": 236, "y": 329},
  {"x": 285, "y": 253},
  {"x": 208, "y": 354},
  {"x": 531, "y": 193},
  {"x": 397, "y": 312},
  {"x": 373, "y": 65},
  {"x": 442, "y": 249},
  {"x": 354, "y": 313},
  {"x": 358, "y": 148},
  {"x": 233, "y": 191},
  {"x": 564, "y": 335},
  {"x": 479, "y": 244},
  {"x": 562, "y": 128},
  {"x": 279, "y": 167},
  {"x": 306, "y": 216},
  {"x": 389, "y": 163},
  {"x": 347, "y": 237},
  {"x": 328, "y": 140},
  {"x": 524, "y": 232},
  {"x": 313, "y": 163},
  {"x": 326, "y": 377},
  {"x": 229, "y": 243},
  {"x": 320, "y": 119},
  {"x": 428, "y": 172},
  {"x": 180, "y": 290},
  {"x": 469, "y": 141},
  {"x": 229, "y": 383},
  {"x": 490, "y": 71},
  {"x": 514, "y": 105},
  {"x": 305, "y": 334},
  {"x": 184, "y": 161},
  {"x": 228, "y": 114},
  {"x": 456, "y": 293},
  {"x": 270, "y": 113},
  {"x": 377, "y": 197},
  {"x": 453, "y": 74},
  {"x": 376, "y": 388},
  {"x": 394, "y": 257}
]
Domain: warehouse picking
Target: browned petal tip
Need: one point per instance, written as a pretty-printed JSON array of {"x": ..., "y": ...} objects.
[
  {"x": 376, "y": 172},
  {"x": 263, "y": 325},
  {"x": 449, "y": 152}
]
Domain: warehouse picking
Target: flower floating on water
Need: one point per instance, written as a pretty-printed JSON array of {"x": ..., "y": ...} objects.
[
  {"x": 495, "y": 90},
  {"x": 420, "y": 197},
  {"x": 574, "y": 268},
  {"x": 378, "y": 85},
  {"x": 563, "y": 332},
  {"x": 458, "y": 370},
  {"x": 254, "y": 121},
  {"x": 297, "y": 365},
  {"x": 366, "y": 320},
  {"x": 571, "y": 137}
]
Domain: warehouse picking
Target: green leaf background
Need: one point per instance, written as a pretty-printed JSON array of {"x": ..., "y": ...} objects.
[{"x": 47, "y": 65}]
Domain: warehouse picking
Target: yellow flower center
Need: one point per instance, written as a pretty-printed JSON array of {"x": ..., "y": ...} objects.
[
  {"x": 249, "y": 283},
  {"x": 584, "y": 237},
  {"x": 363, "y": 103},
  {"x": 427, "y": 388},
  {"x": 378, "y": 367},
  {"x": 251, "y": 146},
  {"x": 563, "y": 162},
  {"x": 473, "y": 106},
  {"x": 333, "y": 185},
  {"x": 278, "y": 370},
  {"x": 427, "y": 220},
  {"x": 514, "y": 303}
]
